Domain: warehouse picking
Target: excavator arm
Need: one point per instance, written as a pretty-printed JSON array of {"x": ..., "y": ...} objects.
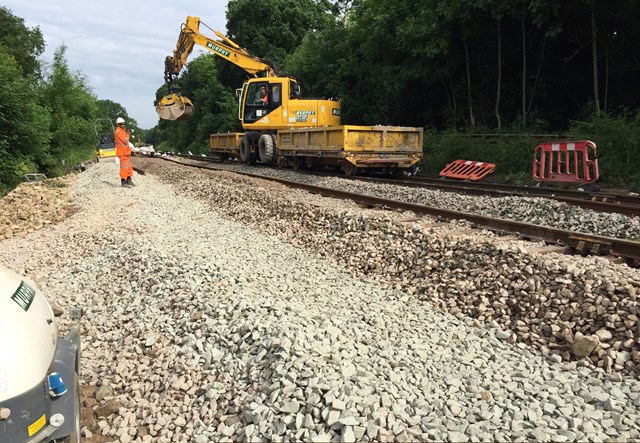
[
  {"x": 177, "y": 107},
  {"x": 190, "y": 35}
]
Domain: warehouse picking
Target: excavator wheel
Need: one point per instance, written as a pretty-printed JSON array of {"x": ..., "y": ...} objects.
[
  {"x": 245, "y": 150},
  {"x": 266, "y": 148}
]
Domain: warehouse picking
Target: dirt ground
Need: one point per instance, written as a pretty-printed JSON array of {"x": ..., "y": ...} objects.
[{"x": 88, "y": 418}]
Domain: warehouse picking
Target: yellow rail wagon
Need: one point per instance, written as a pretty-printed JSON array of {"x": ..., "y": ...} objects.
[
  {"x": 226, "y": 145},
  {"x": 353, "y": 148}
]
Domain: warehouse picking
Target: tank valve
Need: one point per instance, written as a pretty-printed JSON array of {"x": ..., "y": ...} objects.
[{"x": 56, "y": 385}]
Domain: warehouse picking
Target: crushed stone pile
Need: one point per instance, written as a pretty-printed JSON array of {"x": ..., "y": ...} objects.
[{"x": 32, "y": 206}]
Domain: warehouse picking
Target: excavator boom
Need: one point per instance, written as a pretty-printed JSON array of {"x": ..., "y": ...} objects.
[{"x": 176, "y": 107}]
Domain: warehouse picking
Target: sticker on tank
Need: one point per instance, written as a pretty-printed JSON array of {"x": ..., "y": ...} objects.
[{"x": 24, "y": 296}]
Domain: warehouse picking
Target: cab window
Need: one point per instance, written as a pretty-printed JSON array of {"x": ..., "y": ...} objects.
[
  {"x": 259, "y": 92},
  {"x": 259, "y": 101},
  {"x": 276, "y": 94}
]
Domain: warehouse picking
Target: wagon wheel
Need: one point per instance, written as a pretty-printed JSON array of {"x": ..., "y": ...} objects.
[
  {"x": 282, "y": 162},
  {"x": 349, "y": 169},
  {"x": 396, "y": 173},
  {"x": 309, "y": 163},
  {"x": 296, "y": 164}
]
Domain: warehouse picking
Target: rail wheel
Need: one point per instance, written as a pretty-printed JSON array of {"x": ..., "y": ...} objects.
[
  {"x": 309, "y": 163},
  {"x": 245, "y": 150},
  {"x": 349, "y": 169},
  {"x": 266, "y": 148},
  {"x": 395, "y": 173},
  {"x": 281, "y": 162},
  {"x": 296, "y": 164}
]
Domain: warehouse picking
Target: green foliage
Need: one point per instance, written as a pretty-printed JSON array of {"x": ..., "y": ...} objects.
[
  {"x": 511, "y": 155},
  {"x": 318, "y": 62},
  {"x": 618, "y": 142},
  {"x": 24, "y": 44},
  {"x": 24, "y": 124},
  {"x": 73, "y": 111},
  {"x": 272, "y": 29}
]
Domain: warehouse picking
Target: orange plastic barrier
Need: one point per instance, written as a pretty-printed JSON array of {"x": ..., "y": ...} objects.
[
  {"x": 566, "y": 162},
  {"x": 467, "y": 170}
]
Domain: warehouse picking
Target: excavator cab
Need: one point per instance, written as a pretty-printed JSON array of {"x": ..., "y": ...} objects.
[
  {"x": 272, "y": 103},
  {"x": 262, "y": 97}
]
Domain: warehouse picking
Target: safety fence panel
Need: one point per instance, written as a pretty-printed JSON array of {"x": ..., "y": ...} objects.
[
  {"x": 566, "y": 162},
  {"x": 467, "y": 170}
]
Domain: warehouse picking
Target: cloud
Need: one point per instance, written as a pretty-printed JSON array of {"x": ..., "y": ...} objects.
[{"x": 119, "y": 46}]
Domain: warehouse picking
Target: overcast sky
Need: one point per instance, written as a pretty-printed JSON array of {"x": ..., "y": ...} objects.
[{"x": 119, "y": 46}]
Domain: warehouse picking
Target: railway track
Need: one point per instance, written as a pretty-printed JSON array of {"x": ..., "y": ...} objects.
[
  {"x": 562, "y": 240},
  {"x": 596, "y": 201}
]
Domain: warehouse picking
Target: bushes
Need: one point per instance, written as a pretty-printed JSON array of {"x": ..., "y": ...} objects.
[
  {"x": 617, "y": 139},
  {"x": 511, "y": 154}
]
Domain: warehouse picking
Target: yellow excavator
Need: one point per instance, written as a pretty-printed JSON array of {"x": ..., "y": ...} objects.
[
  {"x": 266, "y": 103},
  {"x": 280, "y": 127}
]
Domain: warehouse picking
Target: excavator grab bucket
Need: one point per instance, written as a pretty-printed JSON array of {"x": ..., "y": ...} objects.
[{"x": 174, "y": 107}]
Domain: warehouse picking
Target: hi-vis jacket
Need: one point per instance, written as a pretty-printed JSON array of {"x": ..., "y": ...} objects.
[{"x": 122, "y": 142}]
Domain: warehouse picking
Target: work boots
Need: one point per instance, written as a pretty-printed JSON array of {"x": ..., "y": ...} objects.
[
  {"x": 124, "y": 183},
  {"x": 130, "y": 182}
]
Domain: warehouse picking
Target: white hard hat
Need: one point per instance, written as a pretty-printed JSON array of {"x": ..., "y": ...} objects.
[{"x": 119, "y": 120}]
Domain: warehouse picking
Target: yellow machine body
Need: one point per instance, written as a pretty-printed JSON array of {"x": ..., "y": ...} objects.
[
  {"x": 281, "y": 110},
  {"x": 280, "y": 126}
]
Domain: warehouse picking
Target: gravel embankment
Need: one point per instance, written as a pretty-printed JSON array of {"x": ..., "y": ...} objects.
[
  {"x": 198, "y": 328},
  {"x": 581, "y": 309},
  {"x": 539, "y": 211},
  {"x": 32, "y": 206}
]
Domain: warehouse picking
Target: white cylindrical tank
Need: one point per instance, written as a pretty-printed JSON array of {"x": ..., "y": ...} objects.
[{"x": 28, "y": 335}]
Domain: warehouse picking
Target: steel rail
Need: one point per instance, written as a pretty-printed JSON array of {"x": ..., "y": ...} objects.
[
  {"x": 622, "y": 204},
  {"x": 582, "y": 243},
  {"x": 627, "y": 205}
]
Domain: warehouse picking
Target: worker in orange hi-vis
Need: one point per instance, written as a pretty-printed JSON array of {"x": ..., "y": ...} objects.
[{"x": 123, "y": 151}]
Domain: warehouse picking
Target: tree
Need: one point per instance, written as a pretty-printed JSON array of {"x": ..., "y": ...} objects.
[
  {"x": 275, "y": 28},
  {"x": 73, "y": 111},
  {"x": 24, "y": 44},
  {"x": 24, "y": 124}
]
